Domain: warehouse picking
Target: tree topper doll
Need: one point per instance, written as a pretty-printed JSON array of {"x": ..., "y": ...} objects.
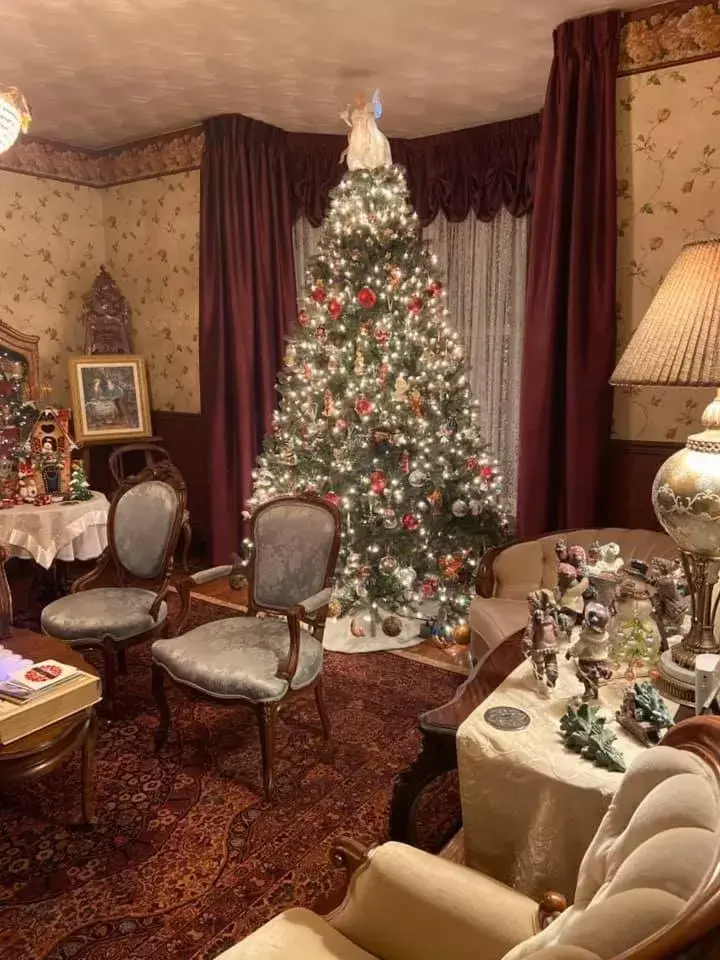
[{"x": 367, "y": 147}]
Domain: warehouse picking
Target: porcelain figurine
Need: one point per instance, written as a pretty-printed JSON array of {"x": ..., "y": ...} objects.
[
  {"x": 591, "y": 651},
  {"x": 571, "y": 597},
  {"x": 577, "y": 557},
  {"x": 604, "y": 559},
  {"x": 367, "y": 147},
  {"x": 671, "y": 601},
  {"x": 561, "y": 550},
  {"x": 541, "y": 637},
  {"x": 634, "y": 601}
]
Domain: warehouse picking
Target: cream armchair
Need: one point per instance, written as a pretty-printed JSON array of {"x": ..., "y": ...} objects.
[
  {"x": 648, "y": 887},
  {"x": 507, "y": 574}
]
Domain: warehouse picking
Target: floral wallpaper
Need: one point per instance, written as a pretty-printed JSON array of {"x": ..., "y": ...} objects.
[
  {"x": 151, "y": 243},
  {"x": 668, "y": 193},
  {"x": 51, "y": 247}
]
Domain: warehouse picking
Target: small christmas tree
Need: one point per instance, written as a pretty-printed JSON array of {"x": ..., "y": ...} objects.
[
  {"x": 635, "y": 647},
  {"x": 79, "y": 486},
  {"x": 375, "y": 413}
]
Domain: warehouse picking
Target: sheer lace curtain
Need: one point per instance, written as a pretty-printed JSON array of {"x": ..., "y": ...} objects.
[{"x": 485, "y": 267}]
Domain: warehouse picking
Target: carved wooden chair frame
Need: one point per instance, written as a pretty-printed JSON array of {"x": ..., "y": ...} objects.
[
  {"x": 265, "y": 712},
  {"x": 110, "y": 648}
]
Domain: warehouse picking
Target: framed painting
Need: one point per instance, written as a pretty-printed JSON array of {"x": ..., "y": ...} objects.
[{"x": 110, "y": 398}]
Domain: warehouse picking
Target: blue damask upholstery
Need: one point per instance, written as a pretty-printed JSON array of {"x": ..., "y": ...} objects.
[
  {"x": 120, "y": 612},
  {"x": 142, "y": 527},
  {"x": 292, "y": 545},
  {"x": 238, "y": 658}
]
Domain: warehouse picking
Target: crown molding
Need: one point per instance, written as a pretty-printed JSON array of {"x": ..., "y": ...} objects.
[
  {"x": 141, "y": 160},
  {"x": 670, "y": 34}
]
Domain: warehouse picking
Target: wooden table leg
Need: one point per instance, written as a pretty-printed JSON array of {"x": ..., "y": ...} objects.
[
  {"x": 437, "y": 756},
  {"x": 87, "y": 774}
]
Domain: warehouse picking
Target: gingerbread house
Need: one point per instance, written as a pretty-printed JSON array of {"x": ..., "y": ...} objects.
[{"x": 51, "y": 447}]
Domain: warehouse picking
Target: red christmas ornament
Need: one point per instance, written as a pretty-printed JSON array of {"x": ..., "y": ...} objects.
[
  {"x": 472, "y": 463},
  {"x": 435, "y": 288},
  {"x": 334, "y": 309},
  {"x": 429, "y": 586},
  {"x": 404, "y": 462},
  {"x": 382, "y": 373},
  {"x": 415, "y": 305},
  {"x": 318, "y": 294},
  {"x": 367, "y": 298},
  {"x": 410, "y": 521},
  {"x": 363, "y": 406},
  {"x": 381, "y": 336},
  {"x": 487, "y": 473},
  {"x": 377, "y": 481},
  {"x": 332, "y": 497},
  {"x": 341, "y": 424},
  {"x": 303, "y": 318}
]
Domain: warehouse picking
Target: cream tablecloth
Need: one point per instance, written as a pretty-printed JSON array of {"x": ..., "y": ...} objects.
[
  {"x": 61, "y": 531},
  {"x": 530, "y": 806}
]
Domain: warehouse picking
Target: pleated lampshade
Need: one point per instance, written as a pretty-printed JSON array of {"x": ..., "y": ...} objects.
[{"x": 678, "y": 340}]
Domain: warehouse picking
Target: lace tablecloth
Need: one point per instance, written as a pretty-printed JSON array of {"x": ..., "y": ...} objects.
[
  {"x": 530, "y": 806},
  {"x": 76, "y": 530}
]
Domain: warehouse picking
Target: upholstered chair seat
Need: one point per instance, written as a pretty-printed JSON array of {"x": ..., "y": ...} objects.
[
  {"x": 276, "y": 651},
  {"x": 116, "y": 611},
  {"x": 239, "y": 658},
  {"x": 648, "y": 886}
]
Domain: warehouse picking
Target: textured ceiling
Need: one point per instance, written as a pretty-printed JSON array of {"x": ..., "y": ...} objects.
[{"x": 100, "y": 72}]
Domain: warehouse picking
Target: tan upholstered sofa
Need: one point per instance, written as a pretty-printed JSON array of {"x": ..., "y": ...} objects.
[
  {"x": 648, "y": 886},
  {"x": 507, "y": 574}
]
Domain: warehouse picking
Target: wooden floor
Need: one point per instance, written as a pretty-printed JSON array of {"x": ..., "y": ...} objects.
[{"x": 455, "y": 657}]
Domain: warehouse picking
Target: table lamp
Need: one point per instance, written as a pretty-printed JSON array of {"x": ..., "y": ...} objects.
[{"x": 678, "y": 345}]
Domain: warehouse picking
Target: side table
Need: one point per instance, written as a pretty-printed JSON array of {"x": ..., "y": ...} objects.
[
  {"x": 46, "y": 749},
  {"x": 438, "y": 753}
]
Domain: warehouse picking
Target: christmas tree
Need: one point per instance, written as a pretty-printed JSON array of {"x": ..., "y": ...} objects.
[
  {"x": 79, "y": 486},
  {"x": 375, "y": 413}
]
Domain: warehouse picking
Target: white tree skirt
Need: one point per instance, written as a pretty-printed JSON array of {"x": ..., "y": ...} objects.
[{"x": 340, "y": 638}]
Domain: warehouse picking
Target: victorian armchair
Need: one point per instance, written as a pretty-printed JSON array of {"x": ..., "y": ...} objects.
[
  {"x": 261, "y": 661},
  {"x": 648, "y": 887},
  {"x": 143, "y": 529}
]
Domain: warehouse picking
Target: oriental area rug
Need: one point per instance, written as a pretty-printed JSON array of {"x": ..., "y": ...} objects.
[{"x": 187, "y": 858}]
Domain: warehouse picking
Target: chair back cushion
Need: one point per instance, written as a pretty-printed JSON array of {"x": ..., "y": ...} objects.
[
  {"x": 657, "y": 849},
  {"x": 294, "y": 542},
  {"x": 142, "y": 527},
  {"x": 532, "y": 564}
]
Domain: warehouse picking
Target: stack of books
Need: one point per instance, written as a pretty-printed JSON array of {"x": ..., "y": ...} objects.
[{"x": 42, "y": 693}]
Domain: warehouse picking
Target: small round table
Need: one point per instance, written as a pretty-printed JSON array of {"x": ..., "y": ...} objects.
[{"x": 46, "y": 749}]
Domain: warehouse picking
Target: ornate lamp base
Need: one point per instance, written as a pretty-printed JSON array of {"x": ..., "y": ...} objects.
[{"x": 675, "y": 682}]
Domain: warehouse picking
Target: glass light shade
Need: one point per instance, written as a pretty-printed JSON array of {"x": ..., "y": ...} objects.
[{"x": 14, "y": 117}]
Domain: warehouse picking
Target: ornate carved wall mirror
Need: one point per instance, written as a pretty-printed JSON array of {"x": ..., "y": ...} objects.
[{"x": 19, "y": 365}]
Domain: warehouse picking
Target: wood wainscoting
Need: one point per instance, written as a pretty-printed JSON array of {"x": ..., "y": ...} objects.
[{"x": 633, "y": 465}]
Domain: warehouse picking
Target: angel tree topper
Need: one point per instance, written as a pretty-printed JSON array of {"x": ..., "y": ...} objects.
[
  {"x": 375, "y": 412},
  {"x": 367, "y": 147}
]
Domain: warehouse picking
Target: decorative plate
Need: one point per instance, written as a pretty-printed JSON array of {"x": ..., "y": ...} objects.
[{"x": 507, "y": 718}]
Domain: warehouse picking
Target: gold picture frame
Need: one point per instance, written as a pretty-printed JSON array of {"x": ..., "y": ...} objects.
[{"x": 110, "y": 398}]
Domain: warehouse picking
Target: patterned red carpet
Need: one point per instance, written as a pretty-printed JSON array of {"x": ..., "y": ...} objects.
[{"x": 187, "y": 858}]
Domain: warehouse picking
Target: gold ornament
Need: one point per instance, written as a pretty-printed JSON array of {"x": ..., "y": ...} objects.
[
  {"x": 461, "y": 633},
  {"x": 392, "y": 626},
  {"x": 334, "y": 609}
]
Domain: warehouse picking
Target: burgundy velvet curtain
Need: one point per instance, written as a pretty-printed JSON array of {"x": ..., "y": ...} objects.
[
  {"x": 247, "y": 303},
  {"x": 478, "y": 170},
  {"x": 569, "y": 348}
]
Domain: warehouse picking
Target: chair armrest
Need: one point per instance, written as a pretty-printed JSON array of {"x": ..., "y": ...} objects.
[
  {"x": 316, "y": 602},
  {"x": 405, "y": 902}
]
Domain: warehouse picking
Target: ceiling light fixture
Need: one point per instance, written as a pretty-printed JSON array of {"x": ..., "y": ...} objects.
[{"x": 14, "y": 117}]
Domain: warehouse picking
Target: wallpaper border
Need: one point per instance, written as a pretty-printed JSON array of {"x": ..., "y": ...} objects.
[
  {"x": 669, "y": 34},
  {"x": 161, "y": 156}
]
